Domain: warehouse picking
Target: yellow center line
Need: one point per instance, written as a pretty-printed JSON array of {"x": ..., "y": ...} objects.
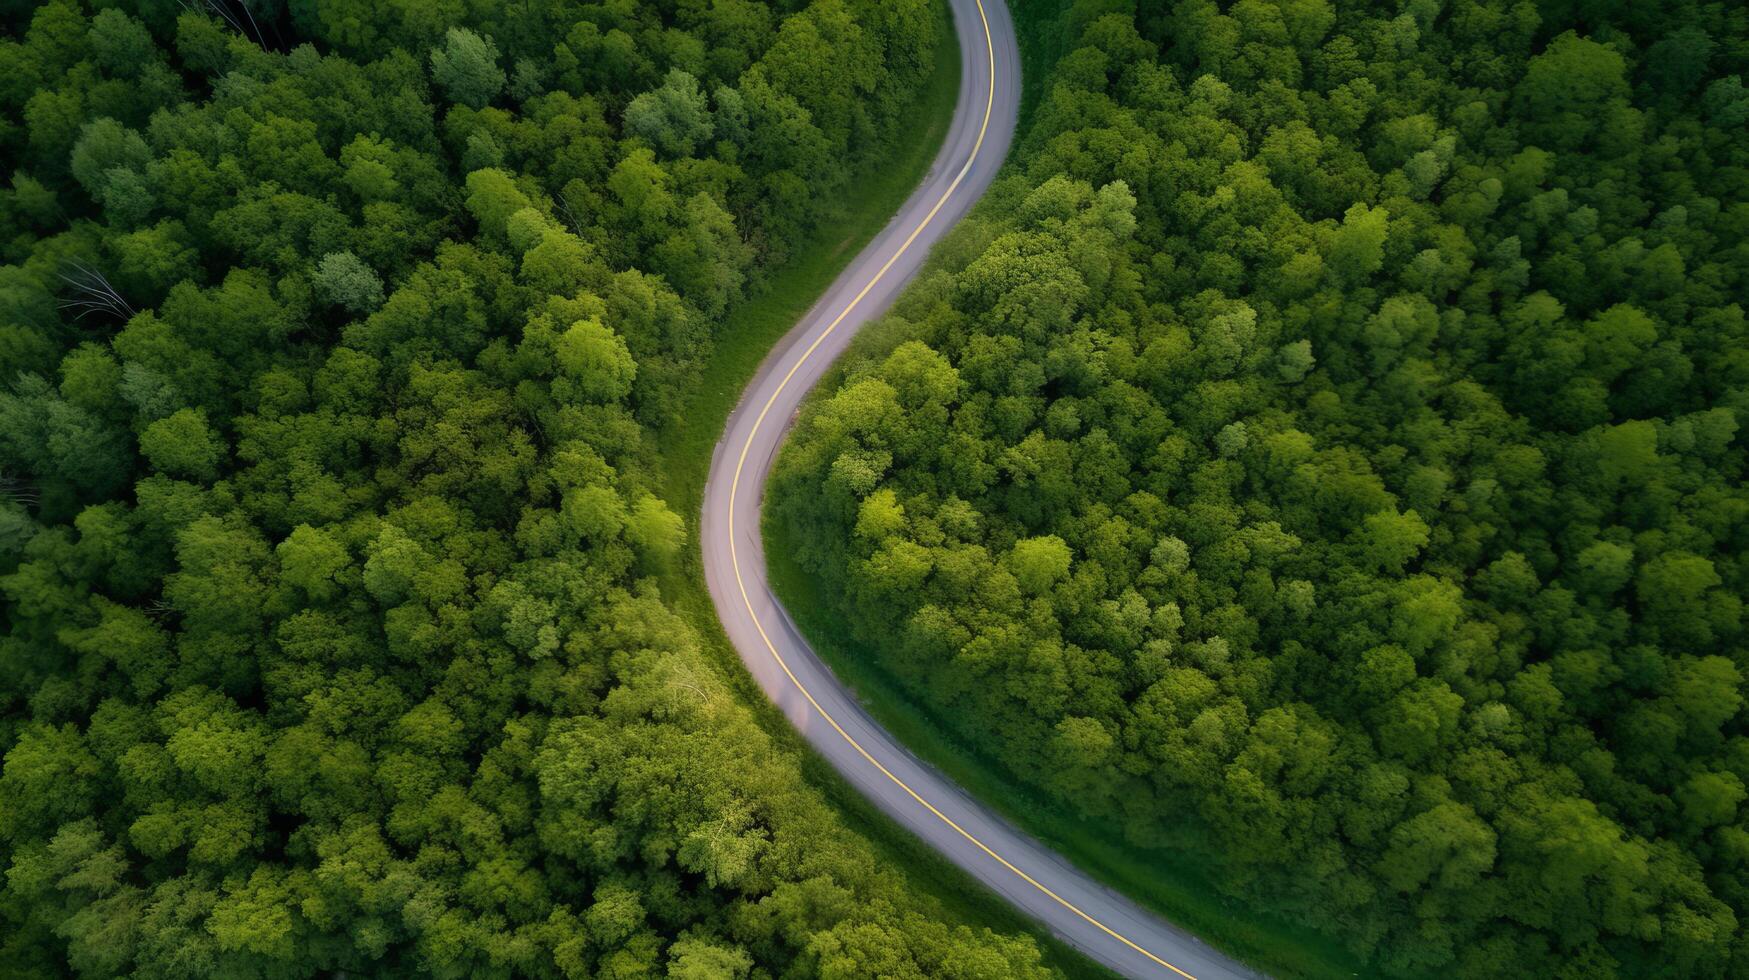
[{"x": 735, "y": 562}]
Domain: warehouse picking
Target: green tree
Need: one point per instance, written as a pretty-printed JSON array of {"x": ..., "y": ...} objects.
[
  {"x": 1356, "y": 249},
  {"x": 1038, "y": 563},
  {"x": 183, "y": 444},
  {"x": 1388, "y": 540},
  {"x": 312, "y": 560},
  {"x": 1570, "y": 90},
  {"x": 596, "y": 360},
  {"x": 106, "y": 150},
  {"x": 467, "y": 68},
  {"x": 675, "y": 118},
  {"x": 344, "y": 280},
  {"x": 1448, "y": 845}
]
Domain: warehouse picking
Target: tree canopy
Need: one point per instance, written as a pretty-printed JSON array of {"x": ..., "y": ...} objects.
[
  {"x": 332, "y": 337},
  {"x": 1322, "y": 452}
]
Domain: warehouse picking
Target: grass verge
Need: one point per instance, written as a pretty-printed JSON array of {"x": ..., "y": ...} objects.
[{"x": 742, "y": 343}]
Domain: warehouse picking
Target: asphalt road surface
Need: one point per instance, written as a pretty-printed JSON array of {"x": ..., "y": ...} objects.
[{"x": 1101, "y": 923}]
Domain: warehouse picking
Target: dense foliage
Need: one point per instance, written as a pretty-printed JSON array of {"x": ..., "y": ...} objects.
[
  {"x": 1325, "y": 453},
  {"x": 331, "y": 337}
]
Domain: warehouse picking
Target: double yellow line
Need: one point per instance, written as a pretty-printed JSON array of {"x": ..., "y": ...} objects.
[{"x": 735, "y": 561}]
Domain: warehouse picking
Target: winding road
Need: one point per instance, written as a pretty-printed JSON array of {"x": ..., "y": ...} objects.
[{"x": 1102, "y": 924}]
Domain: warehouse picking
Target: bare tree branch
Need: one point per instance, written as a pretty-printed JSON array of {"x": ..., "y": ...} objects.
[
  {"x": 93, "y": 294},
  {"x": 222, "y": 10},
  {"x": 15, "y": 490}
]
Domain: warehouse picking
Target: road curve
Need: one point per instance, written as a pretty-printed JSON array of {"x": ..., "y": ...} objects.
[{"x": 1101, "y": 923}]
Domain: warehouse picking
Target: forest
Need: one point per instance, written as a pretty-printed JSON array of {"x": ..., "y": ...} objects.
[
  {"x": 333, "y": 340},
  {"x": 1324, "y": 452}
]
